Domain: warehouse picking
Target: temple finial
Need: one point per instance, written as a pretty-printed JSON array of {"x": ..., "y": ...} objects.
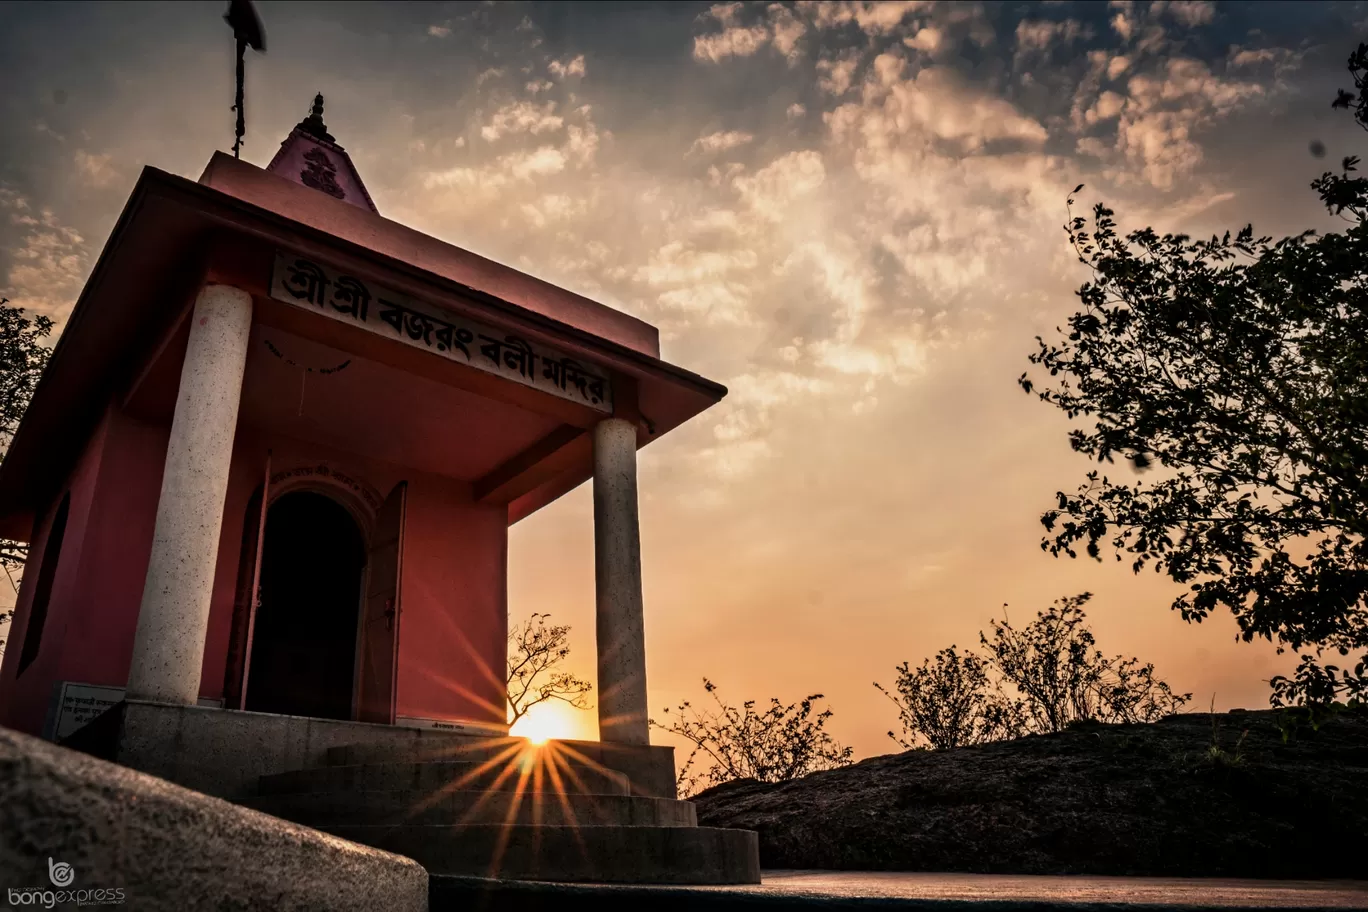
[
  {"x": 312, "y": 157},
  {"x": 313, "y": 124}
]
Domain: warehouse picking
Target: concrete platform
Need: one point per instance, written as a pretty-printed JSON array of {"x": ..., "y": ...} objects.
[
  {"x": 432, "y": 776},
  {"x": 459, "y": 804},
  {"x": 412, "y": 807},
  {"x": 649, "y": 767},
  {"x": 838, "y": 891},
  {"x": 78, "y": 830},
  {"x": 224, "y": 752}
]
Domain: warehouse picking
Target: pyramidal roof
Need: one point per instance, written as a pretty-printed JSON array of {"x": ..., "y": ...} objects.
[{"x": 311, "y": 157}]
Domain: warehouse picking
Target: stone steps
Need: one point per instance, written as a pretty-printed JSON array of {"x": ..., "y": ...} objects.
[
  {"x": 506, "y": 809},
  {"x": 444, "y": 775},
  {"x": 457, "y": 749},
  {"x": 584, "y": 854},
  {"x": 410, "y": 807}
]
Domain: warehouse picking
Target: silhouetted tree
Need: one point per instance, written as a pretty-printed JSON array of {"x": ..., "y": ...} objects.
[
  {"x": 1060, "y": 677},
  {"x": 782, "y": 742},
  {"x": 22, "y": 359},
  {"x": 1041, "y": 678},
  {"x": 1240, "y": 366},
  {"x": 945, "y": 703},
  {"x": 535, "y": 649}
]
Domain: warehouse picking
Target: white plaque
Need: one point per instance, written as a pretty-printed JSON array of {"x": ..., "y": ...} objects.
[{"x": 76, "y": 704}]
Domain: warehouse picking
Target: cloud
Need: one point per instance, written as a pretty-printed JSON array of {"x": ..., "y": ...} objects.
[
  {"x": 583, "y": 142},
  {"x": 1107, "y": 106},
  {"x": 731, "y": 42},
  {"x": 677, "y": 263},
  {"x": 1164, "y": 109},
  {"x": 539, "y": 161},
  {"x": 836, "y": 76},
  {"x": 713, "y": 303},
  {"x": 876, "y": 17},
  {"x": 929, "y": 40},
  {"x": 562, "y": 69},
  {"x": 1190, "y": 13},
  {"x": 523, "y": 165},
  {"x": 773, "y": 190},
  {"x": 522, "y": 117},
  {"x": 49, "y": 261},
  {"x": 1041, "y": 36},
  {"x": 552, "y": 207},
  {"x": 95, "y": 170},
  {"x": 438, "y": 31},
  {"x": 933, "y": 103},
  {"x": 780, "y": 26},
  {"x": 720, "y": 141}
]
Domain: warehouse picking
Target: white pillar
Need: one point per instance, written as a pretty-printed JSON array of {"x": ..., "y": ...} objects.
[
  {"x": 617, "y": 577},
  {"x": 168, "y": 649}
]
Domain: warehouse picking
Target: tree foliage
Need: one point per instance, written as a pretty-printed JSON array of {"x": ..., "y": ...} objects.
[
  {"x": 945, "y": 703},
  {"x": 776, "y": 744},
  {"x": 535, "y": 650},
  {"x": 1042, "y": 678},
  {"x": 22, "y": 359},
  {"x": 1239, "y": 366}
]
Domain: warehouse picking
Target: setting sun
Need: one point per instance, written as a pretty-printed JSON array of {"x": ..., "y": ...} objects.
[{"x": 546, "y": 721}]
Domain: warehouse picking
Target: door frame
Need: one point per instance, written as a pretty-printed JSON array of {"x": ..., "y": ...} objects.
[
  {"x": 401, "y": 489},
  {"x": 238, "y": 659}
]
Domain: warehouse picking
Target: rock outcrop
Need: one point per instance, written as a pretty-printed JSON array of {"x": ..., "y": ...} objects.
[{"x": 1096, "y": 799}]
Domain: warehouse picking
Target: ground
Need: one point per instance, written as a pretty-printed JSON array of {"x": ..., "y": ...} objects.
[{"x": 1097, "y": 799}]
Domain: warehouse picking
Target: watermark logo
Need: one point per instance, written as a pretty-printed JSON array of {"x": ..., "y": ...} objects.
[
  {"x": 60, "y": 873},
  {"x": 63, "y": 875}
]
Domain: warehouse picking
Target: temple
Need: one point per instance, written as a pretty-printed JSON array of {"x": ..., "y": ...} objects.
[{"x": 268, "y": 476}]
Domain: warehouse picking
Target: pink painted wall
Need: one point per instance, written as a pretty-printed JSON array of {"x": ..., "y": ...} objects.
[
  {"x": 93, "y": 610},
  {"x": 453, "y": 631},
  {"x": 453, "y": 628}
]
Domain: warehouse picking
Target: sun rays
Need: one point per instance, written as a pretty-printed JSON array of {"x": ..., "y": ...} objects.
[{"x": 521, "y": 781}]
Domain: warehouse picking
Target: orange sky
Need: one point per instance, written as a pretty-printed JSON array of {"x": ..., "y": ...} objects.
[{"x": 850, "y": 214}]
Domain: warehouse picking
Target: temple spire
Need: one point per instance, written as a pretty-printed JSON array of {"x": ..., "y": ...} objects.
[
  {"x": 313, "y": 124},
  {"x": 311, "y": 156}
]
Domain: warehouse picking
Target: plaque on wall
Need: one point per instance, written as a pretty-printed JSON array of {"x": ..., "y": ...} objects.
[
  {"x": 323, "y": 289},
  {"x": 74, "y": 704}
]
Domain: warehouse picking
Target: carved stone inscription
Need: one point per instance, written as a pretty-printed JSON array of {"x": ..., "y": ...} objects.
[{"x": 304, "y": 283}]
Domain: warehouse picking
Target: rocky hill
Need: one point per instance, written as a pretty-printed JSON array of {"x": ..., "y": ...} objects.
[{"x": 1096, "y": 799}]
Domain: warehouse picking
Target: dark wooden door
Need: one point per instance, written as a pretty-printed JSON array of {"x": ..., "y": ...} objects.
[{"x": 381, "y": 613}]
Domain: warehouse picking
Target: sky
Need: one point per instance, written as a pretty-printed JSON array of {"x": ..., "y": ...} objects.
[{"x": 851, "y": 214}]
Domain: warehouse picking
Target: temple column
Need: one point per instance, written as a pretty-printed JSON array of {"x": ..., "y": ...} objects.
[
  {"x": 168, "y": 648},
  {"x": 617, "y": 577}
]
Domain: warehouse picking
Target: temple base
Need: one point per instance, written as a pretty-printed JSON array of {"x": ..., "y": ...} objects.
[
  {"x": 459, "y": 804},
  {"x": 224, "y": 752}
]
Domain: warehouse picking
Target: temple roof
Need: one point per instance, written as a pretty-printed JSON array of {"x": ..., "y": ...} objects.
[
  {"x": 132, "y": 308},
  {"x": 311, "y": 157}
]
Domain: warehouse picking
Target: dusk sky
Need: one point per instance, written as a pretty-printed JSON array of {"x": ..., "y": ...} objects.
[{"x": 850, "y": 214}]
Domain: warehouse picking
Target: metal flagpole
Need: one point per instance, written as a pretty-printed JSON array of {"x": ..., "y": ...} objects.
[{"x": 249, "y": 33}]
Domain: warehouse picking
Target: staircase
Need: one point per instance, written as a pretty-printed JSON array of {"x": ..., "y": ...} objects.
[{"x": 504, "y": 808}]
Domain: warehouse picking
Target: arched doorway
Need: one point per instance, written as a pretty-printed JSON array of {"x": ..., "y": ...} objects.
[{"x": 303, "y": 645}]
